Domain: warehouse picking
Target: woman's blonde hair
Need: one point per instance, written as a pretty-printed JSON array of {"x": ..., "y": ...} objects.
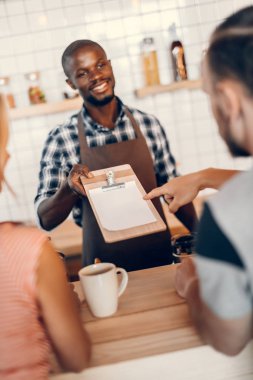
[{"x": 4, "y": 132}]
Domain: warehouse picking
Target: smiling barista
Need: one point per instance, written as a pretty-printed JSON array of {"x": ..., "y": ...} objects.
[{"x": 105, "y": 133}]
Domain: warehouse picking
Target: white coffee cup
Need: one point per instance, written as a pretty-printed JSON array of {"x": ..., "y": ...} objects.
[{"x": 101, "y": 287}]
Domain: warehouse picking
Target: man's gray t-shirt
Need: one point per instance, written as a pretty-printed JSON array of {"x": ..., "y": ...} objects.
[{"x": 225, "y": 249}]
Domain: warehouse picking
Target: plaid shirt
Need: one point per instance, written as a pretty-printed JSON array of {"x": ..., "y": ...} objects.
[{"x": 61, "y": 150}]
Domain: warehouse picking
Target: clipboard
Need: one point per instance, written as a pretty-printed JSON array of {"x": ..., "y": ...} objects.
[{"x": 118, "y": 177}]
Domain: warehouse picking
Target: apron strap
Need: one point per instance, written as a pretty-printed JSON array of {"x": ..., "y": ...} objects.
[
  {"x": 134, "y": 123},
  {"x": 82, "y": 138}
]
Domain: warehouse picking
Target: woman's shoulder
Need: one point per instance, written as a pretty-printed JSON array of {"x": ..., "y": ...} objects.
[
  {"x": 20, "y": 227},
  {"x": 11, "y": 233}
]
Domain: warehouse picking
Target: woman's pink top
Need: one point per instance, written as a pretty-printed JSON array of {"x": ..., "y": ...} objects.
[{"x": 24, "y": 346}]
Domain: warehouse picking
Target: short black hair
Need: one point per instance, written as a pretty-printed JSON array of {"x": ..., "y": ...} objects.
[
  {"x": 230, "y": 54},
  {"x": 72, "y": 48}
]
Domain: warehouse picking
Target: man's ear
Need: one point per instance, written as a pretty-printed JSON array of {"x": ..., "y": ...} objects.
[
  {"x": 229, "y": 99},
  {"x": 68, "y": 81}
]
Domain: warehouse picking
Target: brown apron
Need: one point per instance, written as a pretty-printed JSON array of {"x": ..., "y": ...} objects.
[{"x": 133, "y": 254}]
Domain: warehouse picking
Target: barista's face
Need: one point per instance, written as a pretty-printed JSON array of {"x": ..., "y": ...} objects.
[
  {"x": 91, "y": 73},
  {"x": 229, "y": 133}
]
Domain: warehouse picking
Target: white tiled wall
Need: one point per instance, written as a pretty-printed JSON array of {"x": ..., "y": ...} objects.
[{"x": 33, "y": 35}]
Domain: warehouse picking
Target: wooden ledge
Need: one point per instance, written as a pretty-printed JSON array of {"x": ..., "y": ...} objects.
[
  {"x": 46, "y": 108},
  {"x": 174, "y": 86}
]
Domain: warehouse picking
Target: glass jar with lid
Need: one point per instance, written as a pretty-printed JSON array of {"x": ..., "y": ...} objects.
[
  {"x": 150, "y": 62},
  {"x": 5, "y": 89},
  {"x": 35, "y": 93},
  {"x": 67, "y": 91}
]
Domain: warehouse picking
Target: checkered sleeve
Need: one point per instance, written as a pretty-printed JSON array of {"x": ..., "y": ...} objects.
[
  {"x": 165, "y": 163},
  {"x": 158, "y": 144},
  {"x": 53, "y": 167}
]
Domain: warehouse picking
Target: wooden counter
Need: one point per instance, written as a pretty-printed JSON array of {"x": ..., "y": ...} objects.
[
  {"x": 151, "y": 336},
  {"x": 67, "y": 238},
  {"x": 151, "y": 319}
]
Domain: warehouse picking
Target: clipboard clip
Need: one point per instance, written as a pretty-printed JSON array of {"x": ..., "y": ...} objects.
[{"x": 111, "y": 184}]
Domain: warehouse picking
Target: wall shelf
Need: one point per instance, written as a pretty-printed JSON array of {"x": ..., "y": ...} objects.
[
  {"x": 46, "y": 108},
  {"x": 174, "y": 86},
  {"x": 76, "y": 103}
]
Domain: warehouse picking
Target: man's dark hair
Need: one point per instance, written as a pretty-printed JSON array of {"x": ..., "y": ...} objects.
[
  {"x": 230, "y": 54},
  {"x": 72, "y": 48}
]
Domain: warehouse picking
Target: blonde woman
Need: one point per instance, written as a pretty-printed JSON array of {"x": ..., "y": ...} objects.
[{"x": 39, "y": 312}]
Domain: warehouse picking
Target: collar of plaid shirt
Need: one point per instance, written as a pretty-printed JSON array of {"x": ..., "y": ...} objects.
[{"x": 92, "y": 126}]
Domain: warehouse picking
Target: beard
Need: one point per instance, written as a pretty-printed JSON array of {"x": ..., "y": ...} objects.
[
  {"x": 99, "y": 102},
  {"x": 234, "y": 148}
]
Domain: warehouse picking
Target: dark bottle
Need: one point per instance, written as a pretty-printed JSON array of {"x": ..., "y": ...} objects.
[{"x": 177, "y": 56}]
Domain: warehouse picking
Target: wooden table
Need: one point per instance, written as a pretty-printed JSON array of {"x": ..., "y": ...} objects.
[
  {"x": 151, "y": 319},
  {"x": 151, "y": 337}
]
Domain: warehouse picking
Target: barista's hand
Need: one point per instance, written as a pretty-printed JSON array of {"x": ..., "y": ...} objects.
[
  {"x": 177, "y": 192},
  {"x": 74, "y": 181},
  {"x": 185, "y": 275}
]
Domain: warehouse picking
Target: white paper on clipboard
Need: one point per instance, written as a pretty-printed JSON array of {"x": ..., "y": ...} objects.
[{"x": 120, "y": 208}]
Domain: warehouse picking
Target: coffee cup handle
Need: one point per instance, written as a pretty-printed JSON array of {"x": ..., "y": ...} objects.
[{"x": 124, "y": 281}]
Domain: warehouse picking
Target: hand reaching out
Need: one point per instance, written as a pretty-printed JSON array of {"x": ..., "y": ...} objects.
[
  {"x": 182, "y": 190},
  {"x": 74, "y": 181},
  {"x": 177, "y": 192}
]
